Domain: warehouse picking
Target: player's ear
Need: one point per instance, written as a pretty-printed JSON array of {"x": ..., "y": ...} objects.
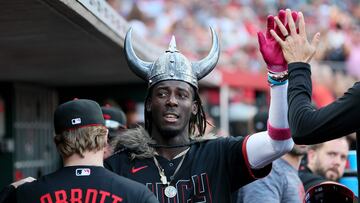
[
  {"x": 311, "y": 153},
  {"x": 107, "y": 134},
  {"x": 195, "y": 108}
]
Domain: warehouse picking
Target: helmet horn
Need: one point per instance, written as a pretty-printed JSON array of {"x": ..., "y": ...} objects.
[
  {"x": 206, "y": 65},
  {"x": 139, "y": 67}
]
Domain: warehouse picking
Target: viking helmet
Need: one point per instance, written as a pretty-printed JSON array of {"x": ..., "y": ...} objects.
[{"x": 172, "y": 65}]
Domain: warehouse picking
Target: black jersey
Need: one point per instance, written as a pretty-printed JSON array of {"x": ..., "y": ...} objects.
[
  {"x": 210, "y": 172},
  {"x": 310, "y": 179},
  {"x": 311, "y": 126},
  {"x": 8, "y": 194},
  {"x": 83, "y": 184}
]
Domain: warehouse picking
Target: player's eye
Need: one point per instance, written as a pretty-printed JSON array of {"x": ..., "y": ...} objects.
[
  {"x": 162, "y": 94},
  {"x": 183, "y": 95}
]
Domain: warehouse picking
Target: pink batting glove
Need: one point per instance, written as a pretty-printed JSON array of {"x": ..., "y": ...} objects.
[{"x": 269, "y": 48}]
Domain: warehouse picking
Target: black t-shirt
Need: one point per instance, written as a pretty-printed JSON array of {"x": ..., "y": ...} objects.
[
  {"x": 311, "y": 126},
  {"x": 211, "y": 171},
  {"x": 309, "y": 179},
  {"x": 83, "y": 184}
]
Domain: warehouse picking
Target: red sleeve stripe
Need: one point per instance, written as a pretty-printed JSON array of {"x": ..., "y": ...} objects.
[
  {"x": 244, "y": 152},
  {"x": 278, "y": 133}
]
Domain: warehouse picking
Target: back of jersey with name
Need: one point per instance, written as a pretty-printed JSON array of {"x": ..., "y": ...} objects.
[{"x": 83, "y": 184}]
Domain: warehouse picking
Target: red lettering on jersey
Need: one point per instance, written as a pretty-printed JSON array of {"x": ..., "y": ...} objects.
[
  {"x": 46, "y": 198},
  {"x": 76, "y": 196},
  {"x": 60, "y": 196},
  {"x": 103, "y": 194},
  {"x": 91, "y": 193},
  {"x": 116, "y": 199}
]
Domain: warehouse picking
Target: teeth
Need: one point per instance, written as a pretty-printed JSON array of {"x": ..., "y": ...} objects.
[{"x": 171, "y": 116}]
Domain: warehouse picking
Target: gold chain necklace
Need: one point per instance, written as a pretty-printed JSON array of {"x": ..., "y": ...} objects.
[{"x": 170, "y": 191}]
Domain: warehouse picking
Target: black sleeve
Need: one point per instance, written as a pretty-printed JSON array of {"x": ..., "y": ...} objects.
[
  {"x": 8, "y": 194},
  {"x": 311, "y": 126}
]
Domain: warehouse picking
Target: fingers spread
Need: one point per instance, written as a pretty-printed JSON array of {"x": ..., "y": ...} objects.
[
  {"x": 277, "y": 38},
  {"x": 261, "y": 39},
  {"x": 294, "y": 15},
  {"x": 282, "y": 17},
  {"x": 315, "y": 41},
  {"x": 270, "y": 25},
  {"x": 281, "y": 27},
  {"x": 291, "y": 22},
  {"x": 302, "y": 31}
]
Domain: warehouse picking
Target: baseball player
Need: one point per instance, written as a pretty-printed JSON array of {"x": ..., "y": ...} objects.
[
  {"x": 80, "y": 137},
  {"x": 170, "y": 157},
  {"x": 115, "y": 121}
]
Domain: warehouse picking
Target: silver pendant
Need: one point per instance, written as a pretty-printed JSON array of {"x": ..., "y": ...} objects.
[
  {"x": 163, "y": 178},
  {"x": 170, "y": 191}
]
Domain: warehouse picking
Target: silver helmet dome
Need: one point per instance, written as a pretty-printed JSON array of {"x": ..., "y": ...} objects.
[{"x": 172, "y": 65}]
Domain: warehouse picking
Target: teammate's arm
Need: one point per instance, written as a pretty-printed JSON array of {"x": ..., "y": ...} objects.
[
  {"x": 264, "y": 147},
  {"x": 8, "y": 193},
  {"x": 311, "y": 126}
]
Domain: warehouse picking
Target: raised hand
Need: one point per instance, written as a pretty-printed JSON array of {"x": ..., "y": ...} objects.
[
  {"x": 269, "y": 47},
  {"x": 295, "y": 46}
]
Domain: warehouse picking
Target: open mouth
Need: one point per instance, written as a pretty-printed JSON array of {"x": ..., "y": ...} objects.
[{"x": 171, "y": 117}]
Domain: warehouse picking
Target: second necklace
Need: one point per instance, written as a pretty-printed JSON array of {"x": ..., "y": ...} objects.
[{"x": 170, "y": 191}]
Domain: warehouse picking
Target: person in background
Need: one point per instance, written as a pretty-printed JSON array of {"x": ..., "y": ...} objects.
[
  {"x": 325, "y": 161},
  {"x": 115, "y": 121}
]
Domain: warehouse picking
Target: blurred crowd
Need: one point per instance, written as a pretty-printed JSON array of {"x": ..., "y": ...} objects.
[{"x": 238, "y": 21}]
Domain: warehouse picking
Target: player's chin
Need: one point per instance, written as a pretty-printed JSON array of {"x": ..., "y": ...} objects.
[
  {"x": 170, "y": 131},
  {"x": 332, "y": 175}
]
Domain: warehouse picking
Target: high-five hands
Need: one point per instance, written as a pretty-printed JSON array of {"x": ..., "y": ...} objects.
[
  {"x": 269, "y": 47},
  {"x": 295, "y": 46}
]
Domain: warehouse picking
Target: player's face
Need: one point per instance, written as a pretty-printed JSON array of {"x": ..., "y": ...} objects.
[
  {"x": 330, "y": 159},
  {"x": 172, "y": 104}
]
